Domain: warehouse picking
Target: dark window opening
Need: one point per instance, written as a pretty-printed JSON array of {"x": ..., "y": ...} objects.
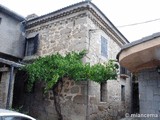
[
  {"x": 135, "y": 94},
  {"x": 21, "y": 95},
  {"x": 104, "y": 47},
  {"x": 122, "y": 93},
  {"x": 28, "y": 90},
  {"x": 103, "y": 92},
  {"x": 31, "y": 46},
  {"x": 123, "y": 70}
]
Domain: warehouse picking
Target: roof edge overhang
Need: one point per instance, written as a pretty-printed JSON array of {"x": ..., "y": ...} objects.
[
  {"x": 11, "y": 13},
  {"x": 141, "y": 54},
  {"x": 145, "y": 39},
  {"x": 76, "y": 8}
]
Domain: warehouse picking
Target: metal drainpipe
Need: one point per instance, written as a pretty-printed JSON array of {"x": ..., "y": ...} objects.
[{"x": 10, "y": 87}]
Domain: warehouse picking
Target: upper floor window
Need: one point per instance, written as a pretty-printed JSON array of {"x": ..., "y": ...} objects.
[
  {"x": 104, "y": 48},
  {"x": 31, "y": 46},
  {"x": 123, "y": 70}
]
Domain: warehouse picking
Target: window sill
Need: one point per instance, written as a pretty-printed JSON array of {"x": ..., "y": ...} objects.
[
  {"x": 124, "y": 76},
  {"x": 30, "y": 58}
]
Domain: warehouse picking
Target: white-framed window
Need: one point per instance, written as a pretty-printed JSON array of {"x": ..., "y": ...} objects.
[{"x": 104, "y": 48}]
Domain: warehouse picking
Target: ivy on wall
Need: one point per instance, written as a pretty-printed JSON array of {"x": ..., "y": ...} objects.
[{"x": 54, "y": 67}]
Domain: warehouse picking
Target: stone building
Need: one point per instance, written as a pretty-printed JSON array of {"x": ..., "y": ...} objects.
[
  {"x": 11, "y": 51},
  {"x": 143, "y": 58},
  {"x": 75, "y": 28}
]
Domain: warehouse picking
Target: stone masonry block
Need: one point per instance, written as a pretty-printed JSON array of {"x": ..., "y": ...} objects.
[
  {"x": 80, "y": 99},
  {"x": 149, "y": 92},
  {"x": 80, "y": 21},
  {"x": 75, "y": 89},
  {"x": 65, "y": 31}
]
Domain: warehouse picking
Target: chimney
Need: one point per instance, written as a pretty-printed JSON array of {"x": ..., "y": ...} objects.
[{"x": 31, "y": 16}]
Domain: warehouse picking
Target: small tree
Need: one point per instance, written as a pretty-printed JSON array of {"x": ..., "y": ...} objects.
[{"x": 51, "y": 69}]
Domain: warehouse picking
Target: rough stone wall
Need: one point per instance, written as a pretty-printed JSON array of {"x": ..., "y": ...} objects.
[
  {"x": 149, "y": 93},
  {"x": 63, "y": 35},
  {"x": 113, "y": 108},
  {"x": 75, "y": 33},
  {"x": 72, "y": 100},
  {"x": 4, "y": 89},
  {"x": 4, "y": 84},
  {"x": 94, "y": 44}
]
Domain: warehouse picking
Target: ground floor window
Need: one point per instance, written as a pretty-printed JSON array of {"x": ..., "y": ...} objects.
[{"x": 122, "y": 92}]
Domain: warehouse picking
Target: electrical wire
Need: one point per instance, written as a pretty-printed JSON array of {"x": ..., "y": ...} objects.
[{"x": 139, "y": 23}]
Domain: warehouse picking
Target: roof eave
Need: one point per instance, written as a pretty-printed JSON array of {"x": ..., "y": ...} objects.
[
  {"x": 145, "y": 39},
  {"x": 85, "y": 4},
  {"x": 11, "y": 13}
]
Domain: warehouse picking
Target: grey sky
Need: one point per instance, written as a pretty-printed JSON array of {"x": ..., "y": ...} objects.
[{"x": 120, "y": 12}]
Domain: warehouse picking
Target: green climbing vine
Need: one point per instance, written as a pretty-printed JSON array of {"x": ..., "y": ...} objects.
[{"x": 54, "y": 67}]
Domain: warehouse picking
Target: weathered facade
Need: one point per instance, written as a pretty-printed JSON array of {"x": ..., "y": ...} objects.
[
  {"x": 11, "y": 51},
  {"x": 75, "y": 28}
]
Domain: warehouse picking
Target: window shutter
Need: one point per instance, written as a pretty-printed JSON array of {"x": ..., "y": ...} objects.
[
  {"x": 35, "y": 44},
  {"x": 31, "y": 45},
  {"x": 104, "y": 47}
]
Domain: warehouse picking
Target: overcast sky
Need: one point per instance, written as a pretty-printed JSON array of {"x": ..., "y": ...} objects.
[{"x": 120, "y": 13}]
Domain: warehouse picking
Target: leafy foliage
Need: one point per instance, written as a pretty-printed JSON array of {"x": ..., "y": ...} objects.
[{"x": 54, "y": 67}]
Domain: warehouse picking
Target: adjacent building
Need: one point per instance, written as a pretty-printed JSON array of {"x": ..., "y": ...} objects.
[
  {"x": 11, "y": 51},
  {"x": 142, "y": 57}
]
